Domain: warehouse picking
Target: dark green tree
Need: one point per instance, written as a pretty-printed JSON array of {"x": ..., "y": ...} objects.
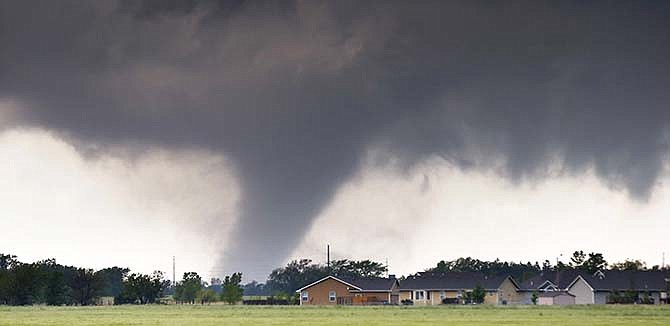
[
  {"x": 142, "y": 289},
  {"x": 534, "y": 297},
  {"x": 561, "y": 266},
  {"x": 478, "y": 294},
  {"x": 232, "y": 290},
  {"x": 188, "y": 289},
  {"x": 4, "y": 287},
  {"x": 56, "y": 291},
  {"x": 577, "y": 259},
  {"x": 26, "y": 284},
  {"x": 595, "y": 262},
  {"x": 113, "y": 278},
  {"x": 629, "y": 265},
  {"x": 6, "y": 263},
  {"x": 255, "y": 288},
  {"x": 368, "y": 268},
  {"x": 86, "y": 286},
  {"x": 519, "y": 270},
  {"x": 295, "y": 274},
  {"x": 208, "y": 296}
]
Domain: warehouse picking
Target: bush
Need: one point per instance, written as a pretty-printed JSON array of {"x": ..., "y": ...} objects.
[
  {"x": 451, "y": 301},
  {"x": 534, "y": 298},
  {"x": 407, "y": 302},
  {"x": 272, "y": 301},
  {"x": 646, "y": 298},
  {"x": 478, "y": 294},
  {"x": 207, "y": 296},
  {"x": 467, "y": 297},
  {"x": 628, "y": 297}
]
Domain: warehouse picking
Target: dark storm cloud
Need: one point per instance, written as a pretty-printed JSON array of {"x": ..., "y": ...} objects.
[{"x": 296, "y": 93}]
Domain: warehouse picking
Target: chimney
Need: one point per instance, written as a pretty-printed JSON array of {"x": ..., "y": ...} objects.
[{"x": 392, "y": 276}]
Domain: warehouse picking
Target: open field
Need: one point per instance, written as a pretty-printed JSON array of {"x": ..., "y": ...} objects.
[{"x": 245, "y": 315}]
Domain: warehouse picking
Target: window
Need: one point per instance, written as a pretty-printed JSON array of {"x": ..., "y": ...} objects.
[
  {"x": 331, "y": 296},
  {"x": 443, "y": 295},
  {"x": 419, "y": 295},
  {"x": 305, "y": 295},
  {"x": 427, "y": 295}
]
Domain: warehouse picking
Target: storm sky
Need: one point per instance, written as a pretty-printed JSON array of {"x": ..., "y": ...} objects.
[{"x": 246, "y": 133}]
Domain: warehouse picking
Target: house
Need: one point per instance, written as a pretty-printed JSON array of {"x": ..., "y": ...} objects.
[
  {"x": 434, "y": 288},
  {"x": 332, "y": 290},
  {"x": 551, "y": 287},
  {"x": 546, "y": 281},
  {"x": 604, "y": 287},
  {"x": 555, "y": 298}
]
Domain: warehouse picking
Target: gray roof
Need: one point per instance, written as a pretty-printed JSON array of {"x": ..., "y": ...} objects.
[
  {"x": 451, "y": 281},
  {"x": 612, "y": 280},
  {"x": 627, "y": 280},
  {"x": 561, "y": 279},
  {"x": 372, "y": 284}
]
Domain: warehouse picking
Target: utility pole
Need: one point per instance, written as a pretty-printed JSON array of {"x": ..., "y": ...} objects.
[
  {"x": 558, "y": 270},
  {"x": 387, "y": 267},
  {"x": 173, "y": 272},
  {"x": 663, "y": 261},
  {"x": 328, "y": 256}
]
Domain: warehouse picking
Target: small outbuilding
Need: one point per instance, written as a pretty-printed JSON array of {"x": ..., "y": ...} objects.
[
  {"x": 104, "y": 301},
  {"x": 555, "y": 298}
]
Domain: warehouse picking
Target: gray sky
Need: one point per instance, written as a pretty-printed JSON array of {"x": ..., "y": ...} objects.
[{"x": 242, "y": 134}]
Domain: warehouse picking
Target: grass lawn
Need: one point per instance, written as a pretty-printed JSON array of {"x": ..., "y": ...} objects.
[{"x": 254, "y": 315}]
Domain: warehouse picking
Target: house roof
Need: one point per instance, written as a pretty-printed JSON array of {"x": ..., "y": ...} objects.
[
  {"x": 452, "y": 281},
  {"x": 373, "y": 284},
  {"x": 359, "y": 284},
  {"x": 551, "y": 294},
  {"x": 327, "y": 278},
  {"x": 626, "y": 280},
  {"x": 560, "y": 279}
]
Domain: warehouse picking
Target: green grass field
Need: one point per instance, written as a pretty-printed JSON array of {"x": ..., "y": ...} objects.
[{"x": 245, "y": 315}]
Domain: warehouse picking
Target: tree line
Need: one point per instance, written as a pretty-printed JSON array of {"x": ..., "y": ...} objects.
[
  {"x": 579, "y": 260},
  {"x": 192, "y": 289},
  {"x": 50, "y": 283},
  {"x": 47, "y": 282}
]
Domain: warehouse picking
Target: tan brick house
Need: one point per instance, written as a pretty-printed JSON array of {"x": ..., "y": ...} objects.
[
  {"x": 332, "y": 290},
  {"x": 433, "y": 288}
]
